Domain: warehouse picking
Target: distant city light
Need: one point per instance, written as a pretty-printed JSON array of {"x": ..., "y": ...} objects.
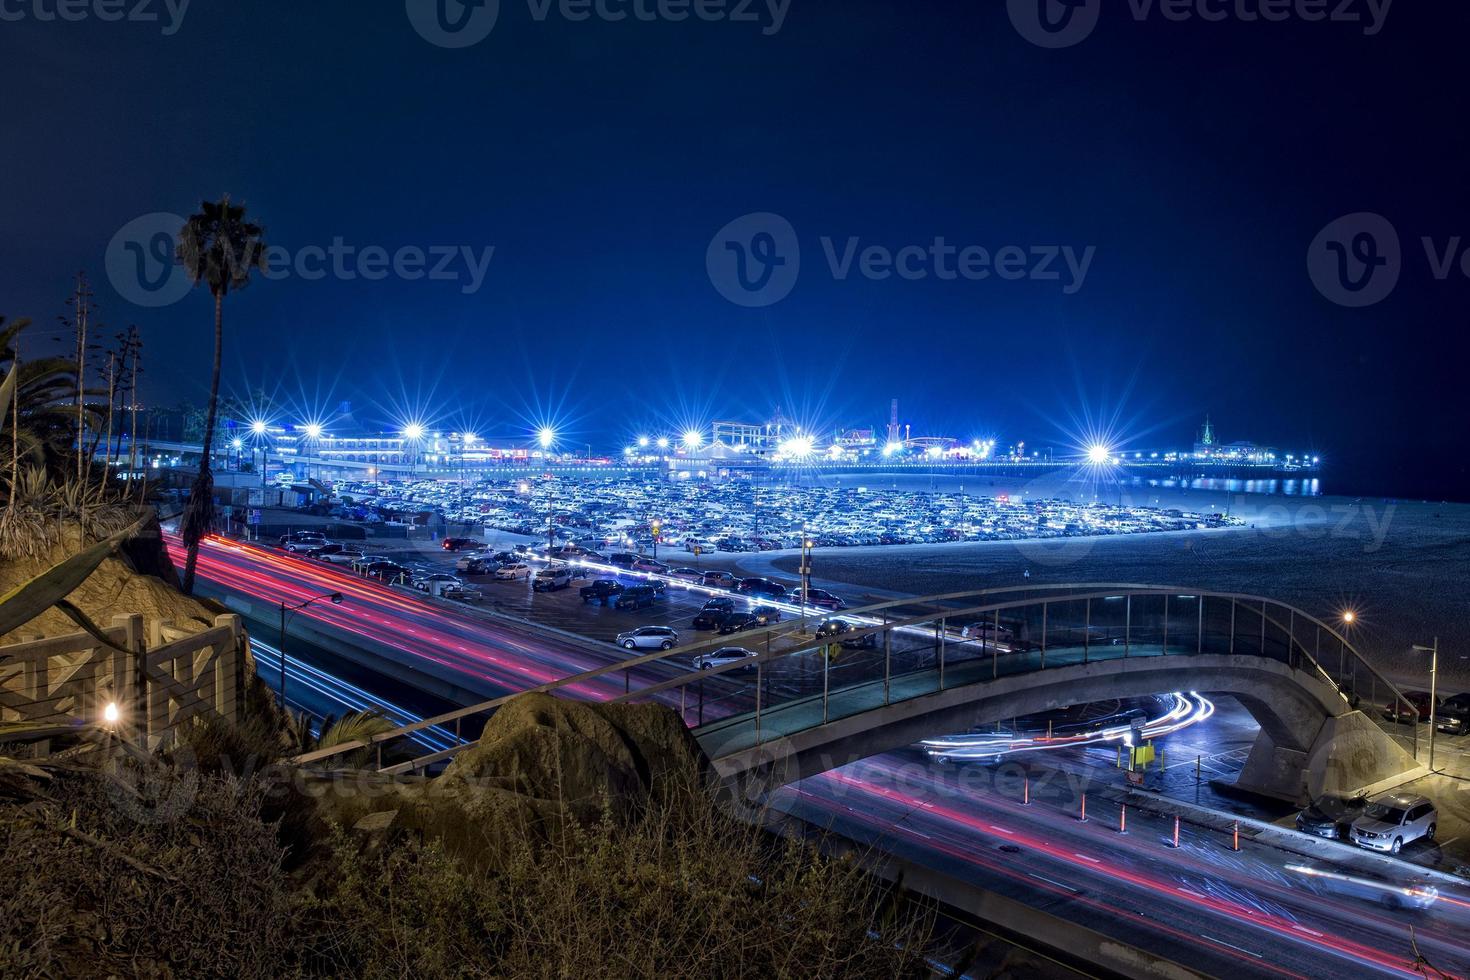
[
  {"x": 236, "y": 444},
  {"x": 799, "y": 447},
  {"x": 546, "y": 437},
  {"x": 693, "y": 439},
  {"x": 643, "y": 442},
  {"x": 258, "y": 427},
  {"x": 1098, "y": 454},
  {"x": 892, "y": 448},
  {"x": 470, "y": 439},
  {"x": 663, "y": 442},
  {"x": 413, "y": 431},
  {"x": 1349, "y": 616},
  {"x": 313, "y": 430}
]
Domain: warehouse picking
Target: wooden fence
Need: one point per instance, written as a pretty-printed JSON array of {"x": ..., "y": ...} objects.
[{"x": 141, "y": 686}]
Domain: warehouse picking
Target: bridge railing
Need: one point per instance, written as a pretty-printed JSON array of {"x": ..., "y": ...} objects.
[{"x": 797, "y": 674}]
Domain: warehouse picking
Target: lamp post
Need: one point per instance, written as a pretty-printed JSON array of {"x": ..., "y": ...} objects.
[
  {"x": 336, "y": 598},
  {"x": 1433, "y": 652}
]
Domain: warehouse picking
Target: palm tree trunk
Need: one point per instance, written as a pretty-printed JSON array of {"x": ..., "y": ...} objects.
[{"x": 200, "y": 513}]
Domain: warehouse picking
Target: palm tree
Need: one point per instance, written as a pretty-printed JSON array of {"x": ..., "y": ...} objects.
[
  {"x": 40, "y": 405},
  {"x": 219, "y": 248}
]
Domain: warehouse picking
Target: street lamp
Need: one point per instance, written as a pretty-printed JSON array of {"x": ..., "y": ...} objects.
[
  {"x": 1433, "y": 652},
  {"x": 336, "y": 598}
]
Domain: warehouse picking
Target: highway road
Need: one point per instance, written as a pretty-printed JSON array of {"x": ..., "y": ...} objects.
[{"x": 1223, "y": 912}]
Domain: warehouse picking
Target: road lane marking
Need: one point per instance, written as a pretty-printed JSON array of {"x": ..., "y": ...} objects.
[
  {"x": 1049, "y": 881},
  {"x": 1230, "y": 945}
]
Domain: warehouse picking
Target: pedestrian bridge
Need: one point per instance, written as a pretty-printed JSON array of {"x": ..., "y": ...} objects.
[{"x": 916, "y": 668}]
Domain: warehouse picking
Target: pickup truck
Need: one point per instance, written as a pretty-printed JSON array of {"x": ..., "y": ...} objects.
[{"x": 603, "y": 590}]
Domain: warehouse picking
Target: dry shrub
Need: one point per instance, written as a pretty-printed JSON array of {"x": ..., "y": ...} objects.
[
  {"x": 679, "y": 890},
  {"x": 137, "y": 869}
]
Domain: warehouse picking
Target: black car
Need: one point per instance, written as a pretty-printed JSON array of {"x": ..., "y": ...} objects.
[
  {"x": 838, "y": 630},
  {"x": 388, "y": 571},
  {"x": 766, "y": 615},
  {"x": 739, "y": 622},
  {"x": 1453, "y": 715},
  {"x": 713, "y": 614},
  {"x": 603, "y": 590},
  {"x": 458, "y": 544},
  {"x": 1330, "y": 815},
  {"x": 761, "y": 586},
  {"x": 636, "y": 597},
  {"x": 621, "y": 559}
]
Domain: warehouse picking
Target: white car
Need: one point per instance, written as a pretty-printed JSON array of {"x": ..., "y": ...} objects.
[
  {"x": 343, "y": 557},
  {"x": 302, "y": 543},
  {"x": 1393, "y": 820},
  {"x": 649, "y": 638},
  {"x": 510, "y": 573},
  {"x": 723, "y": 656}
]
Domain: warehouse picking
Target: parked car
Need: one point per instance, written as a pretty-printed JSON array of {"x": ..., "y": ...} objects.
[
  {"x": 1393, "y": 820},
  {"x": 738, "y": 622},
  {"x": 1398, "y": 710},
  {"x": 762, "y": 587},
  {"x": 506, "y": 557},
  {"x": 324, "y": 551},
  {"x": 723, "y": 656},
  {"x": 603, "y": 590},
  {"x": 552, "y": 579},
  {"x": 837, "y": 630},
  {"x": 458, "y": 544},
  {"x": 650, "y": 565},
  {"x": 820, "y": 598},
  {"x": 1331, "y": 815},
  {"x": 712, "y": 616},
  {"x": 1453, "y": 715},
  {"x": 425, "y": 583},
  {"x": 302, "y": 542},
  {"x": 691, "y": 575},
  {"x": 510, "y": 573},
  {"x": 477, "y": 566},
  {"x": 461, "y": 593},
  {"x": 388, "y": 571},
  {"x": 1414, "y": 893},
  {"x": 766, "y": 615},
  {"x": 346, "y": 556},
  {"x": 720, "y": 580},
  {"x": 649, "y": 638},
  {"x": 635, "y": 597},
  {"x": 367, "y": 560},
  {"x": 622, "y": 559}
]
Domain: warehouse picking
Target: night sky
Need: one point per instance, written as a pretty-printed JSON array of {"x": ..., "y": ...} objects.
[{"x": 1199, "y": 159}]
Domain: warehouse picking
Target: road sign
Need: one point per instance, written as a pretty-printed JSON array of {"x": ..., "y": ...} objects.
[{"x": 254, "y": 516}]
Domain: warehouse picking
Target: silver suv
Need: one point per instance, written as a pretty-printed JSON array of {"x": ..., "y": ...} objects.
[
  {"x": 1393, "y": 820},
  {"x": 649, "y": 638}
]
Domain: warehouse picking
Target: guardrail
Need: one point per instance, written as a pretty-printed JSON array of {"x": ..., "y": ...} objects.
[{"x": 1029, "y": 628}]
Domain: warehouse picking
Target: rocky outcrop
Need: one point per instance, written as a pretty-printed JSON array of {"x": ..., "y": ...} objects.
[
  {"x": 139, "y": 579},
  {"x": 542, "y": 767}
]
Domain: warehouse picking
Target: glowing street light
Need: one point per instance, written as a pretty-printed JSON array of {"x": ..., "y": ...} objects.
[
  {"x": 258, "y": 427},
  {"x": 236, "y": 444},
  {"x": 693, "y": 439},
  {"x": 892, "y": 448},
  {"x": 643, "y": 442},
  {"x": 663, "y": 442},
  {"x": 413, "y": 432},
  {"x": 313, "y": 430},
  {"x": 1349, "y": 617},
  {"x": 1098, "y": 453},
  {"x": 546, "y": 437}
]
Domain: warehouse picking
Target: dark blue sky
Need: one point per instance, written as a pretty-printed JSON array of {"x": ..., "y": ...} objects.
[{"x": 1200, "y": 160}]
